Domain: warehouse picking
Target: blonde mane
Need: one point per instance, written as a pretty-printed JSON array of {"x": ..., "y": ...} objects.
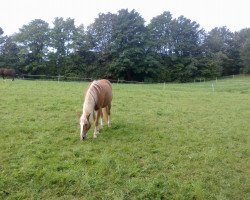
[{"x": 90, "y": 99}]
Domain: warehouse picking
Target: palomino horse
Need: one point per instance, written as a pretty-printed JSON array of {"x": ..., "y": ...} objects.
[
  {"x": 5, "y": 72},
  {"x": 97, "y": 104}
]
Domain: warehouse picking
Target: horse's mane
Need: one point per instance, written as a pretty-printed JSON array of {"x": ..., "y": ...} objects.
[
  {"x": 92, "y": 92},
  {"x": 96, "y": 87},
  {"x": 93, "y": 87}
]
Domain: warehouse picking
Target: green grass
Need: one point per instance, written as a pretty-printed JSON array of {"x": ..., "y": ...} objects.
[{"x": 178, "y": 141}]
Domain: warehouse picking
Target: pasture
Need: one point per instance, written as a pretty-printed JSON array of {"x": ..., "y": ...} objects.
[{"x": 178, "y": 141}]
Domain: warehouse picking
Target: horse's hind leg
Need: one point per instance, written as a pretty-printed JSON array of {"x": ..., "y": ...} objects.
[
  {"x": 108, "y": 108},
  {"x": 101, "y": 119}
]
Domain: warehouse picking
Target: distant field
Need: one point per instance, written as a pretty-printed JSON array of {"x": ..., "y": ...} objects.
[{"x": 173, "y": 141}]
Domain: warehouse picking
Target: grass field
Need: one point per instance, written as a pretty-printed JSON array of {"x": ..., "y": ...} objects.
[{"x": 173, "y": 141}]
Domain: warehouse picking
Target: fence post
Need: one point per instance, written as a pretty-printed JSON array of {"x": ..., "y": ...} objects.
[{"x": 213, "y": 87}]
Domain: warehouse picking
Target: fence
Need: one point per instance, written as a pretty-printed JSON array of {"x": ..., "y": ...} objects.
[
  {"x": 76, "y": 78},
  {"x": 206, "y": 84},
  {"x": 69, "y": 78}
]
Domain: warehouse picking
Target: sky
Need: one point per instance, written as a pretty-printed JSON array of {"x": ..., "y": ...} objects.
[{"x": 208, "y": 13}]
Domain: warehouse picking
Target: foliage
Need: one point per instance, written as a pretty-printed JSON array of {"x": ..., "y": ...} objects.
[
  {"x": 62, "y": 37},
  {"x": 128, "y": 46},
  {"x": 173, "y": 141},
  {"x": 121, "y": 46},
  {"x": 10, "y": 53},
  {"x": 33, "y": 40},
  {"x": 225, "y": 47},
  {"x": 244, "y": 41}
]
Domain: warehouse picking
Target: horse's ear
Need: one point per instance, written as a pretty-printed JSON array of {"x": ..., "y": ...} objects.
[{"x": 78, "y": 114}]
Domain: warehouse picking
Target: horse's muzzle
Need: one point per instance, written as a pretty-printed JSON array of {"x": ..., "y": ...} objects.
[{"x": 82, "y": 136}]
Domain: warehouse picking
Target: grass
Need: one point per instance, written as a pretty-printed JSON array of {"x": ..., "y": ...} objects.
[{"x": 178, "y": 141}]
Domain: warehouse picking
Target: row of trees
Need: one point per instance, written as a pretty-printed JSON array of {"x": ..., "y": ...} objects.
[{"x": 122, "y": 46}]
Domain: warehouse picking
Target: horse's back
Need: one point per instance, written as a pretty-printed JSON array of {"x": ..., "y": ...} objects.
[
  {"x": 7, "y": 71},
  {"x": 106, "y": 88},
  {"x": 105, "y": 83}
]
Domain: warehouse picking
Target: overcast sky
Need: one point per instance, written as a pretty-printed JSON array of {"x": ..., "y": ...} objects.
[{"x": 208, "y": 13}]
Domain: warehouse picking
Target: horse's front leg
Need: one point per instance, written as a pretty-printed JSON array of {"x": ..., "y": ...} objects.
[{"x": 96, "y": 132}]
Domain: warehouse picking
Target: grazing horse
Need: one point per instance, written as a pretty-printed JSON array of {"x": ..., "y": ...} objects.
[
  {"x": 97, "y": 104},
  {"x": 5, "y": 72}
]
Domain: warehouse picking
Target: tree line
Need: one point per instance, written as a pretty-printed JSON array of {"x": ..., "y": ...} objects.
[{"x": 121, "y": 46}]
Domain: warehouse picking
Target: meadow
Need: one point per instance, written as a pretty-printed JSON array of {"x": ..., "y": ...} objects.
[{"x": 172, "y": 141}]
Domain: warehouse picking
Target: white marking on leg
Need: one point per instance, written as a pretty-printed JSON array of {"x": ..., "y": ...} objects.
[
  {"x": 109, "y": 121},
  {"x": 101, "y": 123},
  {"x": 96, "y": 132}
]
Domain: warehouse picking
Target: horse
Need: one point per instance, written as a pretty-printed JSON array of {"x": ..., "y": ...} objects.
[
  {"x": 97, "y": 105},
  {"x": 5, "y": 72}
]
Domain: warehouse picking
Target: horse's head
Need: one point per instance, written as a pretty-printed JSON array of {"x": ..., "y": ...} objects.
[{"x": 84, "y": 125}]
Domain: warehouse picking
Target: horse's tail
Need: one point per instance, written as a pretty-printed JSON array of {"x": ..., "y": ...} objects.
[{"x": 105, "y": 114}]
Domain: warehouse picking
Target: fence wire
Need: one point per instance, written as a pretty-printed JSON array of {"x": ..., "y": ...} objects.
[{"x": 77, "y": 78}]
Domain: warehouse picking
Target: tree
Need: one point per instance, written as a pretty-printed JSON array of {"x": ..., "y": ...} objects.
[
  {"x": 2, "y": 41},
  {"x": 2, "y": 38},
  {"x": 217, "y": 38},
  {"x": 100, "y": 40},
  {"x": 128, "y": 46},
  {"x": 244, "y": 43},
  {"x": 160, "y": 34},
  {"x": 33, "y": 40},
  {"x": 62, "y": 41},
  {"x": 222, "y": 43},
  {"x": 187, "y": 37},
  {"x": 100, "y": 33},
  {"x": 10, "y": 53},
  {"x": 121, "y": 46},
  {"x": 179, "y": 44},
  {"x": 245, "y": 55},
  {"x": 79, "y": 39}
]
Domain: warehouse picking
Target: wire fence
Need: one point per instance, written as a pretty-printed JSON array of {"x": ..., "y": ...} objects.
[
  {"x": 71, "y": 78},
  {"x": 213, "y": 85},
  {"x": 63, "y": 78},
  {"x": 87, "y": 79}
]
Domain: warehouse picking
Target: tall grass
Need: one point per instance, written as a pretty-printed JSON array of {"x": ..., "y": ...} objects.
[{"x": 173, "y": 141}]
